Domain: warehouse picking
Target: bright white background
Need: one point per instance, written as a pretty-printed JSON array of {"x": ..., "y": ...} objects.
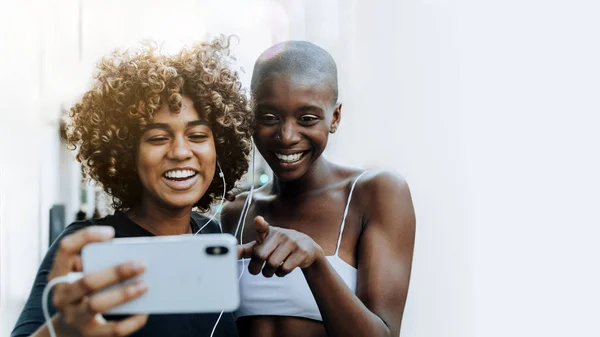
[{"x": 488, "y": 108}]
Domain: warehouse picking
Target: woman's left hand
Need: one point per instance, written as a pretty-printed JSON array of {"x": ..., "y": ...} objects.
[{"x": 282, "y": 249}]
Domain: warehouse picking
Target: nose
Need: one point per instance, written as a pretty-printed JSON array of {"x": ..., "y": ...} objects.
[
  {"x": 288, "y": 134},
  {"x": 180, "y": 149}
]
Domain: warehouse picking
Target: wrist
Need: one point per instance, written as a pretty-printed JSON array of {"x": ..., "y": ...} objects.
[
  {"x": 60, "y": 327},
  {"x": 318, "y": 263}
]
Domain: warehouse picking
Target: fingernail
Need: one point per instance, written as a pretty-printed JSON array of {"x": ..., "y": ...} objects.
[
  {"x": 137, "y": 265},
  {"x": 103, "y": 230},
  {"x": 138, "y": 287},
  {"x": 141, "y": 286}
]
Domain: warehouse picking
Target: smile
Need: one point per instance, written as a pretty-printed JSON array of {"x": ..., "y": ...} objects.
[
  {"x": 179, "y": 175},
  {"x": 290, "y": 158}
]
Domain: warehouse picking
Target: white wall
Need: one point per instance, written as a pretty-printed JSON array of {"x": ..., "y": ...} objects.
[
  {"x": 29, "y": 145},
  {"x": 529, "y": 85}
]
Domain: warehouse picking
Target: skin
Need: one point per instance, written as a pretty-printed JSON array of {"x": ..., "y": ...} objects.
[
  {"x": 173, "y": 140},
  {"x": 297, "y": 219}
]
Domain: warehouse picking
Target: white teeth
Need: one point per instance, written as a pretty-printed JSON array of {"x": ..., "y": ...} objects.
[
  {"x": 179, "y": 174},
  {"x": 289, "y": 158}
]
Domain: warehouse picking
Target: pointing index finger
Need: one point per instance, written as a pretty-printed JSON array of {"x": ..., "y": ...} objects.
[{"x": 262, "y": 229}]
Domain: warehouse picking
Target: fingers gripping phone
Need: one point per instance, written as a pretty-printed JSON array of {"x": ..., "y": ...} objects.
[{"x": 184, "y": 273}]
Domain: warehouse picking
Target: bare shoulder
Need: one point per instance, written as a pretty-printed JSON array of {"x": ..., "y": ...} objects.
[
  {"x": 374, "y": 183},
  {"x": 385, "y": 195},
  {"x": 231, "y": 212},
  {"x": 383, "y": 183}
]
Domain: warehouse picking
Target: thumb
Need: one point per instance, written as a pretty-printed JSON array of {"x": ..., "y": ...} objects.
[
  {"x": 262, "y": 229},
  {"x": 245, "y": 251}
]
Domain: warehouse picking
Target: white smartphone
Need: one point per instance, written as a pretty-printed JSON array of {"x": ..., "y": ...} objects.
[{"x": 184, "y": 273}]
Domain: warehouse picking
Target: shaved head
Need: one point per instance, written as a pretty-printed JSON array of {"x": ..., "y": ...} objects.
[{"x": 296, "y": 59}]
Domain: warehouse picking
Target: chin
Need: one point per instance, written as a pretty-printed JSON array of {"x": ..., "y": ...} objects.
[
  {"x": 182, "y": 201},
  {"x": 287, "y": 176}
]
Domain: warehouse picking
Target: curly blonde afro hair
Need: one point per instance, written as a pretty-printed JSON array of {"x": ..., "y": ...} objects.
[{"x": 131, "y": 86}]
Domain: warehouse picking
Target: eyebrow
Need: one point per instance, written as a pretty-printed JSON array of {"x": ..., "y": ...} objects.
[
  {"x": 265, "y": 106},
  {"x": 166, "y": 126},
  {"x": 304, "y": 108},
  {"x": 198, "y": 122},
  {"x": 310, "y": 108}
]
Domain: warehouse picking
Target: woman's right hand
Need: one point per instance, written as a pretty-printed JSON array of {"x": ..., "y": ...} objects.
[{"x": 79, "y": 311}]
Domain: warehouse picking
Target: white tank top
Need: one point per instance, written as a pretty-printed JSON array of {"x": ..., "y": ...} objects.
[{"x": 290, "y": 295}]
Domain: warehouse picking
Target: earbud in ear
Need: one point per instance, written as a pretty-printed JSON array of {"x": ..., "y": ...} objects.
[{"x": 221, "y": 174}]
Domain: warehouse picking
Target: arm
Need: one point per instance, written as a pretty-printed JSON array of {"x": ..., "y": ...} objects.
[
  {"x": 74, "y": 309},
  {"x": 385, "y": 252},
  {"x": 384, "y": 263},
  {"x": 31, "y": 318}
]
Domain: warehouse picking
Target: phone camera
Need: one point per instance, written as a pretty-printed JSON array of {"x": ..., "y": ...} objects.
[{"x": 217, "y": 250}]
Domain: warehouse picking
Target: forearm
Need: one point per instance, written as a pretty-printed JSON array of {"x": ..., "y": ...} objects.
[{"x": 342, "y": 311}]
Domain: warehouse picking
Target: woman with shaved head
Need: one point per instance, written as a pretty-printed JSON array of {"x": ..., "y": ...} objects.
[{"x": 331, "y": 247}]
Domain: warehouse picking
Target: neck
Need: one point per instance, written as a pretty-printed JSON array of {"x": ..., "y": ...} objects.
[
  {"x": 318, "y": 176},
  {"x": 160, "y": 220}
]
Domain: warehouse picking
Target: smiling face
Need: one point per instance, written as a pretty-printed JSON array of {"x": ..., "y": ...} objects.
[
  {"x": 176, "y": 157},
  {"x": 294, "y": 115}
]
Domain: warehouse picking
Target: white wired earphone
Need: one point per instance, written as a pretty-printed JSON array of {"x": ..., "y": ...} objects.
[
  {"x": 243, "y": 216},
  {"x": 222, "y": 175},
  {"x": 74, "y": 276}
]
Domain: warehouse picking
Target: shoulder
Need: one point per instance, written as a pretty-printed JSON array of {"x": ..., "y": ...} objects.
[
  {"x": 377, "y": 183},
  {"x": 385, "y": 194},
  {"x": 70, "y": 229},
  {"x": 110, "y": 220},
  {"x": 232, "y": 210},
  {"x": 373, "y": 182},
  {"x": 237, "y": 204},
  {"x": 79, "y": 225},
  {"x": 76, "y": 226}
]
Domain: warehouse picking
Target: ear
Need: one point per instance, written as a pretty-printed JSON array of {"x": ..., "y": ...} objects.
[{"x": 337, "y": 117}]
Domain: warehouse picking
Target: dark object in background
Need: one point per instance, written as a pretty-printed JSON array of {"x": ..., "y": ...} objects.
[
  {"x": 80, "y": 215},
  {"x": 57, "y": 222},
  {"x": 96, "y": 214}
]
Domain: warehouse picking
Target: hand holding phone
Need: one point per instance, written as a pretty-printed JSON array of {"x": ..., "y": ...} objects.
[
  {"x": 184, "y": 273},
  {"x": 79, "y": 307}
]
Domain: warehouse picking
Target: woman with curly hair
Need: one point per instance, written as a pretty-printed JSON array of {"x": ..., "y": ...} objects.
[{"x": 153, "y": 132}]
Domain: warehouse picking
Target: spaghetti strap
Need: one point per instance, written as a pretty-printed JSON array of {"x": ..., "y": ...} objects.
[{"x": 337, "y": 248}]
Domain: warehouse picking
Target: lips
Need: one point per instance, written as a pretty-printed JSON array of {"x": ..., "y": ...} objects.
[
  {"x": 179, "y": 174},
  {"x": 290, "y": 159},
  {"x": 181, "y": 178}
]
